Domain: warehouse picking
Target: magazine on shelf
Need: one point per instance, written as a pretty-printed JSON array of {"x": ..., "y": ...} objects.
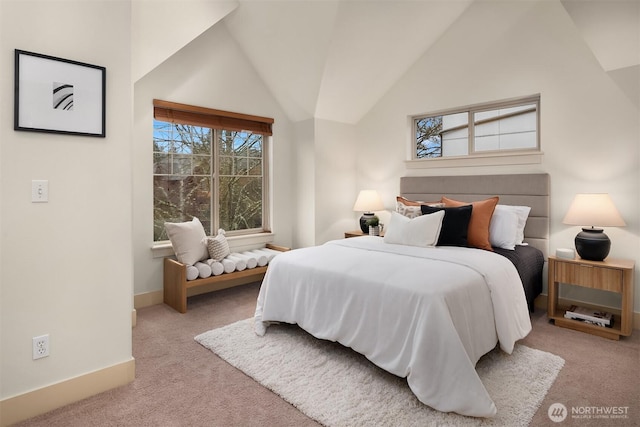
[{"x": 596, "y": 317}]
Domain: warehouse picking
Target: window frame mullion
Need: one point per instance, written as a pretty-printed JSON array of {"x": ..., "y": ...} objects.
[
  {"x": 471, "y": 134},
  {"x": 215, "y": 180}
]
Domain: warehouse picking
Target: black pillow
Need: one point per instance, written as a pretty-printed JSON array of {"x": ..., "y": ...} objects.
[{"x": 455, "y": 224}]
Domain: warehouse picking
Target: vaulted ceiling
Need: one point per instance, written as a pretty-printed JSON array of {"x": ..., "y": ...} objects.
[{"x": 334, "y": 59}]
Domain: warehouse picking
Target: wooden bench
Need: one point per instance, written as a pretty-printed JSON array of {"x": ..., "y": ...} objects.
[{"x": 176, "y": 283}]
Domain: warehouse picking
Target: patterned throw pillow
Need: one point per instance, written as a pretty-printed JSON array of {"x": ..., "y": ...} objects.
[
  {"x": 411, "y": 209},
  {"x": 218, "y": 246},
  {"x": 408, "y": 211}
]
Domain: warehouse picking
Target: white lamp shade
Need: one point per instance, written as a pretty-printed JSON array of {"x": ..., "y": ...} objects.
[
  {"x": 368, "y": 201},
  {"x": 593, "y": 210}
]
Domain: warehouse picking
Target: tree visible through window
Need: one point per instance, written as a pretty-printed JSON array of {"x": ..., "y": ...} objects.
[
  {"x": 240, "y": 188},
  {"x": 182, "y": 178},
  {"x": 216, "y": 175},
  {"x": 428, "y": 137}
]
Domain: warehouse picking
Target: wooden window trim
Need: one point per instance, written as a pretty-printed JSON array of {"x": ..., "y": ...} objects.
[{"x": 174, "y": 112}]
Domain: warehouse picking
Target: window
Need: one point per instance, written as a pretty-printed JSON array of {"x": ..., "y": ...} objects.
[
  {"x": 504, "y": 126},
  {"x": 209, "y": 164}
]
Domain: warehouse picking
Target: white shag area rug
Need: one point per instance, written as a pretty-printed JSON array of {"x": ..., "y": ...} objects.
[{"x": 338, "y": 387}]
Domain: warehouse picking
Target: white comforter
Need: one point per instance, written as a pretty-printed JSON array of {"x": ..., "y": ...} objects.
[{"x": 427, "y": 314}]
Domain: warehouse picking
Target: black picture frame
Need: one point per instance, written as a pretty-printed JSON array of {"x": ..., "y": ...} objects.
[{"x": 57, "y": 95}]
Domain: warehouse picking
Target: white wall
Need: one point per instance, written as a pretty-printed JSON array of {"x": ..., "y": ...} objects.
[
  {"x": 304, "y": 170},
  {"x": 335, "y": 175},
  {"x": 325, "y": 181},
  {"x": 212, "y": 72},
  {"x": 65, "y": 266},
  {"x": 497, "y": 50}
]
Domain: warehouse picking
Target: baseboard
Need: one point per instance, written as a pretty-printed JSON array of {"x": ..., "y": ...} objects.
[
  {"x": 541, "y": 303},
  {"x": 147, "y": 299},
  {"x": 42, "y": 400}
]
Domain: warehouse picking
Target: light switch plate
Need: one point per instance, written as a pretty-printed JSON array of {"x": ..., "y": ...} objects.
[{"x": 39, "y": 191}]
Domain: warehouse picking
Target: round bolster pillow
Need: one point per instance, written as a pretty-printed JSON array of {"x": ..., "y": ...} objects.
[
  {"x": 192, "y": 272},
  {"x": 241, "y": 264},
  {"x": 229, "y": 266},
  {"x": 204, "y": 270}
]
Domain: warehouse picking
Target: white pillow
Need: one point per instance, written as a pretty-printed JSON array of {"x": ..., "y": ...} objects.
[
  {"x": 188, "y": 240},
  {"x": 423, "y": 230},
  {"x": 523, "y": 214},
  {"x": 503, "y": 229}
]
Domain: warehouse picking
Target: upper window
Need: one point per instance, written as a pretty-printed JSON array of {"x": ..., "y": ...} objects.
[
  {"x": 478, "y": 130},
  {"x": 212, "y": 165}
]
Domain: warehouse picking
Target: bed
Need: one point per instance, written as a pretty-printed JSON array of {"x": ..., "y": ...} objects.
[
  {"x": 531, "y": 190},
  {"x": 424, "y": 312}
]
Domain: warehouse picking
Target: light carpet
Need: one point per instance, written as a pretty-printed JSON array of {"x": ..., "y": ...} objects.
[{"x": 338, "y": 387}]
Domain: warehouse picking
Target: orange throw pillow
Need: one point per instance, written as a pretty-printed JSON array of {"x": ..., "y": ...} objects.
[
  {"x": 478, "y": 235},
  {"x": 408, "y": 202}
]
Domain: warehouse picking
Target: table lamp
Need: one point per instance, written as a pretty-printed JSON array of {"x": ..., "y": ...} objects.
[
  {"x": 367, "y": 202},
  {"x": 596, "y": 210}
]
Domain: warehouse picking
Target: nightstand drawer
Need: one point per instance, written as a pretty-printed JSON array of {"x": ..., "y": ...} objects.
[{"x": 608, "y": 279}]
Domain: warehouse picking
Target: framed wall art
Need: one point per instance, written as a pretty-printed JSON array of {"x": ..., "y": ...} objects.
[{"x": 58, "y": 95}]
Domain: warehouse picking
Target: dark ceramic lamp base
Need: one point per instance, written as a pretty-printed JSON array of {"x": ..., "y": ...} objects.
[
  {"x": 592, "y": 244},
  {"x": 363, "y": 221}
]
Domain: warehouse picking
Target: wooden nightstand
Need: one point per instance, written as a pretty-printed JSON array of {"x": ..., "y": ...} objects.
[
  {"x": 613, "y": 275},
  {"x": 358, "y": 233}
]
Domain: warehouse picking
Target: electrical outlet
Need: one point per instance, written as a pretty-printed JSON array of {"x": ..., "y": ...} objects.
[{"x": 40, "y": 346}]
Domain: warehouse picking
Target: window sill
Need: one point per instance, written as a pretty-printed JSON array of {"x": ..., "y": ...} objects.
[
  {"x": 236, "y": 244},
  {"x": 496, "y": 159}
]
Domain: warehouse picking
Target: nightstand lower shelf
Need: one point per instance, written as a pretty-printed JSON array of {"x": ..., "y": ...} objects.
[
  {"x": 611, "y": 275},
  {"x": 612, "y": 333}
]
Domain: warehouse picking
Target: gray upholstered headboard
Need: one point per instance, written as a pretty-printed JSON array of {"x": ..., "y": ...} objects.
[{"x": 518, "y": 189}]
